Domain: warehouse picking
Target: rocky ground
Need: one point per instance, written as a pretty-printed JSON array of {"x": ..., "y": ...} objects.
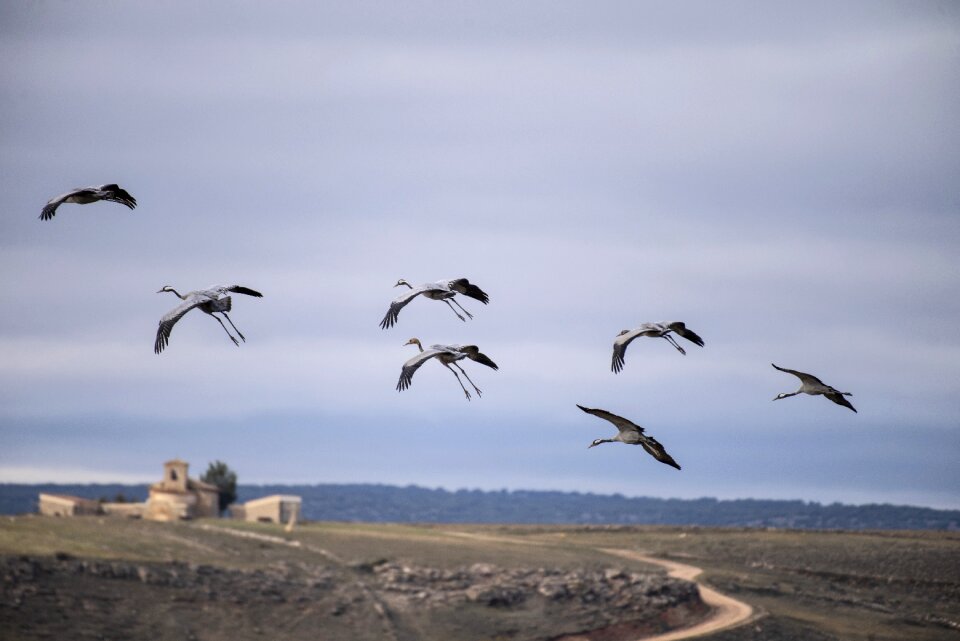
[
  {"x": 101, "y": 578},
  {"x": 66, "y": 597}
]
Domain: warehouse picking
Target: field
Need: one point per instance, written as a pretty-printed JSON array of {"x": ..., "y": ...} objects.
[{"x": 118, "y": 579}]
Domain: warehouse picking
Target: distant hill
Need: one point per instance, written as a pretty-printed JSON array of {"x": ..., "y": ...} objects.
[{"x": 412, "y": 504}]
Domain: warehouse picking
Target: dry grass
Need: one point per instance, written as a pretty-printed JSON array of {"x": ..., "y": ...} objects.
[{"x": 816, "y": 585}]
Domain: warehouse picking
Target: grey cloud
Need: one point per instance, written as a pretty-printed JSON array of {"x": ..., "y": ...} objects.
[{"x": 781, "y": 178}]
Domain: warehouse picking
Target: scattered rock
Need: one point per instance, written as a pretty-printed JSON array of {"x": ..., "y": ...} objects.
[{"x": 489, "y": 585}]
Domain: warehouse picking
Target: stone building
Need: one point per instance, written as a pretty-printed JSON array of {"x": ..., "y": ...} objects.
[
  {"x": 178, "y": 496},
  {"x": 175, "y": 497},
  {"x": 127, "y": 510},
  {"x": 277, "y": 508},
  {"x": 65, "y": 505}
]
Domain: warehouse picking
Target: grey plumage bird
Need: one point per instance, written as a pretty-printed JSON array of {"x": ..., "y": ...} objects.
[
  {"x": 210, "y": 301},
  {"x": 655, "y": 330},
  {"x": 443, "y": 290},
  {"x": 631, "y": 434},
  {"x": 85, "y": 195},
  {"x": 447, "y": 355},
  {"x": 810, "y": 384}
]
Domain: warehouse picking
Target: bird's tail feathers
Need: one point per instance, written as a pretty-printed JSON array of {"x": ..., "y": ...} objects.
[
  {"x": 224, "y": 304},
  {"x": 483, "y": 359},
  {"x": 246, "y": 290},
  {"x": 476, "y": 293},
  {"x": 117, "y": 194}
]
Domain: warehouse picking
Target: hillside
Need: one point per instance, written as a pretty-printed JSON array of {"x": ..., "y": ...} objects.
[
  {"x": 411, "y": 504},
  {"x": 120, "y": 579},
  {"x": 103, "y": 578}
]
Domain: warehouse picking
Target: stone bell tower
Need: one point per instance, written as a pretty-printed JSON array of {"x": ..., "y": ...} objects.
[{"x": 175, "y": 476}]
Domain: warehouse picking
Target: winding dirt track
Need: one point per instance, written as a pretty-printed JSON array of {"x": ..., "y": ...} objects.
[{"x": 726, "y": 612}]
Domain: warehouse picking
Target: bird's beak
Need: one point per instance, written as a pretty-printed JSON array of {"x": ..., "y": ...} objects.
[
  {"x": 591, "y": 445},
  {"x": 159, "y": 291},
  {"x": 776, "y": 398}
]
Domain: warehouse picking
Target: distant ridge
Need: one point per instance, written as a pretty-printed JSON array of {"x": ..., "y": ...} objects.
[{"x": 412, "y": 504}]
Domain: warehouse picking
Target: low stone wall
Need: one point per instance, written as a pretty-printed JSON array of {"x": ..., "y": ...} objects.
[{"x": 126, "y": 510}]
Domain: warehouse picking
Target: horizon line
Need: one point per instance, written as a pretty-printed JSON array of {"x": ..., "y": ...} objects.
[{"x": 132, "y": 481}]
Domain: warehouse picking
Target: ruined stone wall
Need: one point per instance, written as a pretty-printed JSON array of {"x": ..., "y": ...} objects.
[
  {"x": 126, "y": 510},
  {"x": 53, "y": 505},
  {"x": 167, "y": 506},
  {"x": 207, "y": 505}
]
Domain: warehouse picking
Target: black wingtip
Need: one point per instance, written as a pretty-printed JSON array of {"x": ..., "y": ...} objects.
[
  {"x": 389, "y": 319},
  {"x": 616, "y": 364}
]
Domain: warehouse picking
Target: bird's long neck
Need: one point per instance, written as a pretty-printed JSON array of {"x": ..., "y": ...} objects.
[
  {"x": 403, "y": 282},
  {"x": 176, "y": 293}
]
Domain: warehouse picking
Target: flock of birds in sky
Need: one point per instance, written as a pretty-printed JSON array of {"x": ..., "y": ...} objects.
[{"x": 215, "y": 300}]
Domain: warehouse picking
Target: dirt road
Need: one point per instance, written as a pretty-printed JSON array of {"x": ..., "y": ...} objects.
[{"x": 726, "y": 612}]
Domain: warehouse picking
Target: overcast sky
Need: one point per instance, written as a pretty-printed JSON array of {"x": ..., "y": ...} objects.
[{"x": 784, "y": 177}]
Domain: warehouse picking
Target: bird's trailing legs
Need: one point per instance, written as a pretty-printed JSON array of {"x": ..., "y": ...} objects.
[
  {"x": 479, "y": 393},
  {"x": 234, "y": 327},
  {"x": 674, "y": 343},
  {"x": 461, "y": 307},
  {"x": 455, "y": 311},
  {"x": 459, "y": 381},
  {"x": 226, "y": 330}
]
